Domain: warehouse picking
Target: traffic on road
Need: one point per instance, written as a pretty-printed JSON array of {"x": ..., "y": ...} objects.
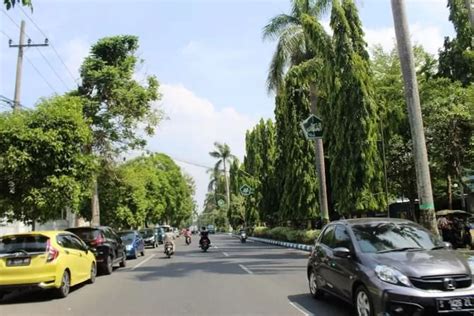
[{"x": 362, "y": 266}]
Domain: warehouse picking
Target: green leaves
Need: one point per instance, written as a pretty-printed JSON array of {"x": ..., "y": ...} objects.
[{"x": 43, "y": 167}]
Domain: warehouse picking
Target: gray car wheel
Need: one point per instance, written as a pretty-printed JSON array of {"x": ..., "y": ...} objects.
[
  {"x": 363, "y": 303},
  {"x": 93, "y": 273},
  {"x": 123, "y": 262},
  {"x": 63, "y": 290},
  {"x": 313, "y": 285}
]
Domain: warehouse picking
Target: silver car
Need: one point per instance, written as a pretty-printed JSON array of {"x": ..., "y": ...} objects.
[{"x": 390, "y": 267}]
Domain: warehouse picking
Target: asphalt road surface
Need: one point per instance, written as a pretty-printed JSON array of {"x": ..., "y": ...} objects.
[{"x": 231, "y": 279}]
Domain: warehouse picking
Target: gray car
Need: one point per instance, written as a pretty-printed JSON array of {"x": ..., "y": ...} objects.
[{"x": 390, "y": 267}]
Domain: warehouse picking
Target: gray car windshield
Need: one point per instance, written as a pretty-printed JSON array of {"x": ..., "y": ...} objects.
[
  {"x": 386, "y": 237},
  {"x": 127, "y": 236}
]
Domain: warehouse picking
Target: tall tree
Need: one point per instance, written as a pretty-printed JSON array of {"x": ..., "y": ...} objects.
[
  {"x": 116, "y": 102},
  {"x": 294, "y": 48},
  {"x": 11, "y": 3},
  {"x": 43, "y": 169},
  {"x": 224, "y": 157},
  {"x": 456, "y": 59}
]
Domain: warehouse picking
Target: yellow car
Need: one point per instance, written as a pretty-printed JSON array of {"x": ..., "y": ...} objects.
[{"x": 48, "y": 260}]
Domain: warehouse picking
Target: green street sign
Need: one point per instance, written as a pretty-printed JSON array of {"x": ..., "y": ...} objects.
[
  {"x": 312, "y": 127},
  {"x": 221, "y": 203},
  {"x": 245, "y": 190}
]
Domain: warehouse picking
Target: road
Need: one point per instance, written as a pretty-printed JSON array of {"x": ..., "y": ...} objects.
[{"x": 231, "y": 279}]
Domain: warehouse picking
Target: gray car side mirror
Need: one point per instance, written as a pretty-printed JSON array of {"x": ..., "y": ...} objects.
[{"x": 341, "y": 252}]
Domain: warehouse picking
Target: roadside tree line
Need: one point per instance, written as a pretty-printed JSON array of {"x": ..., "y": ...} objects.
[{"x": 62, "y": 155}]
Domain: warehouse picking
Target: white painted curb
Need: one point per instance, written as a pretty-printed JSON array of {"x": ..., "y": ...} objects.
[{"x": 281, "y": 243}]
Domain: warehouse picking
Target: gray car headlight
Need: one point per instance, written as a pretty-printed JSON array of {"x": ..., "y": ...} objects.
[{"x": 391, "y": 275}]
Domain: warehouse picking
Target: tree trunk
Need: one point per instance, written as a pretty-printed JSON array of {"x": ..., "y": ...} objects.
[
  {"x": 227, "y": 188},
  {"x": 425, "y": 194},
  {"x": 450, "y": 192},
  {"x": 95, "y": 209},
  {"x": 320, "y": 166}
]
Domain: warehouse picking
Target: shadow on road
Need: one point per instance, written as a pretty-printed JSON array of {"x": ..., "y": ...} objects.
[
  {"x": 34, "y": 296},
  {"x": 327, "y": 305}
]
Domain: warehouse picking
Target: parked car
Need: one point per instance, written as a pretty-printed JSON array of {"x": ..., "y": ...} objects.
[
  {"x": 134, "y": 243},
  {"x": 160, "y": 234},
  {"x": 211, "y": 229},
  {"x": 390, "y": 267},
  {"x": 45, "y": 259},
  {"x": 106, "y": 245},
  {"x": 149, "y": 237}
]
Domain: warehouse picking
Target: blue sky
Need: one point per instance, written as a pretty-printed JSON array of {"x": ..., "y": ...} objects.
[{"x": 207, "y": 54}]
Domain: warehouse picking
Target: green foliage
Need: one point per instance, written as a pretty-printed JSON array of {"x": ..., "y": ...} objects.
[
  {"x": 146, "y": 190},
  {"x": 11, "y": 3},
  {"x": 43, "y": 168},
  {"x": 456, "y": 60},
  {"x": 117, "y": 102},
  {"x": 295, "y": 156},
  {"x": 287, "y": 234},
  {"x": 259, "y": 166}
]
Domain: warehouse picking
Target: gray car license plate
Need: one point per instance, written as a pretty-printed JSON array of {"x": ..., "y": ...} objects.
[{"x": 465, "y": 303}]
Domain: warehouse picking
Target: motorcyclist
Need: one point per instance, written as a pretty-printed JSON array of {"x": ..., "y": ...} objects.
[
  {"x": 204, "y": 236},
  {"x": 169, "y": 236},
  {"x": 187, "y": 234}
]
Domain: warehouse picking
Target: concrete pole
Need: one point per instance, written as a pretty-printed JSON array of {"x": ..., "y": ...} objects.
[
  {"x": 423, "y": 179},
  {"x": 19, "y": 65}
]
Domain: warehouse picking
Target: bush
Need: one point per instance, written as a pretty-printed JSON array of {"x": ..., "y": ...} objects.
[{"x": 287, "y": 234}]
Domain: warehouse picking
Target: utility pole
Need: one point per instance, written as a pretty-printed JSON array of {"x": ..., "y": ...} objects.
[
  {"x": 423, "y": 179},
  {"x": 19, "y": 62},
  {"x": 470, "y": 11}
]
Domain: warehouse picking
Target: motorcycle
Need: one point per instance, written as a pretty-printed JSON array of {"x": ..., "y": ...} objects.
[
  {"x": 169, "y": 249},
  {"x": 243, "y": 237},
  {"x": 205, "y": 244},
  {"x": 188, "y": 240}
]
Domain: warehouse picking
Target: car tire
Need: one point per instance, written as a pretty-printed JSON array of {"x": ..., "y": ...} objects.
[
  {"x": 314, "y": 289},
  {"x": 362, "y": 302},
  {"x": 93, "y": 273},
  {"x": 65, "y": 287},
  {"x": 143, "y": 252},
  {"x": 135, "y": 254},
  {"x": 108, "y": 265},
  {"x": 123, "y": 262}
]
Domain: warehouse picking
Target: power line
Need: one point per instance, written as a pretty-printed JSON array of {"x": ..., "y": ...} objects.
[
  {"x": 40, "y": 74},
  {"x": 52, "y": 46},
  {"x": 41, "y": 53}
]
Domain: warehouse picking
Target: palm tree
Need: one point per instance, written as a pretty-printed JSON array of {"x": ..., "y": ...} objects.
[
  {"x": 295, "y": 48},
  {"x": 224, "y": 156}
]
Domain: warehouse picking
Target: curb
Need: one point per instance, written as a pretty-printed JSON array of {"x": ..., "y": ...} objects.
[{"x": 281, "y": 243}]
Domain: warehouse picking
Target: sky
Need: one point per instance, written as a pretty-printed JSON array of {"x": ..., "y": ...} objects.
[{"x": 208, "y": 55}]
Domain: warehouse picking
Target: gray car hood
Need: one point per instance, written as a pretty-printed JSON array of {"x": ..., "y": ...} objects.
[{"x": 424, "y": 263}]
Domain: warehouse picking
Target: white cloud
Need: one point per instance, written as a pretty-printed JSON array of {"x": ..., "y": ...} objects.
[
  {"x": 429, "y": 37},
  {"x": 75, "y": 51},
  {"x": 192, "y": 127}
]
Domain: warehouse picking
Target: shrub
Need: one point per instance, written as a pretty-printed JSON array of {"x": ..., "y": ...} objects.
[{"x": 300, "y": 236}]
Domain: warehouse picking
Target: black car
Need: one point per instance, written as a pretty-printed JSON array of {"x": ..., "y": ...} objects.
[
  {"x": 390, "y": 267},
  {"x": 149, "y": 237},
  {"x": 106, "y": 245}
]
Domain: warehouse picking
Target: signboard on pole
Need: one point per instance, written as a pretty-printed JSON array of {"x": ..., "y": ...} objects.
[
  {"x": 245, "y": 190},
  {"x": 312, "y": 127}
]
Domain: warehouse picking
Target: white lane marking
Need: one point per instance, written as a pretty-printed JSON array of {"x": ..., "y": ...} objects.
[
  {"x": 144, "y": 261},
  {"x": 245, "y": 269},
  {"x": 215, "y": 247},
  {"x": 301, "y": 309},
  {"x": 225, "y": 254}
]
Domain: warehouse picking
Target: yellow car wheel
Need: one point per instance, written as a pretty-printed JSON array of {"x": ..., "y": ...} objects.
[
  {"x": 93, "y": 273},
  {"x": 63, "y": 290}
]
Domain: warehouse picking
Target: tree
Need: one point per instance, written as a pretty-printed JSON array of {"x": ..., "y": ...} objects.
[
  {"x": 43, "y": 168},
  {"x": 9, "y": 4},
  {"x": 294, "y": 48},
  {"x": 116, "y": 102},
  {"x": 295, "y": 168},
  {"x": 456, "y": 59},
  {"x": 224, "y": 157}
]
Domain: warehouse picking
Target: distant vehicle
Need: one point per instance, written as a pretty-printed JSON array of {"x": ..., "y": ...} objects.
[
  {"x": 243, "y": 236},
  {"x": 408, "y": 270},
  {"x": 134, "y": 243},
  {"x": 45, "y": 259},
  {"x": 160, "y": 234},
  {"x": 106, "y": 245},
  {"x": 211, "y": 229},
  {"x": 176, "y": 232},
  {"x": 149, "y": 237}
]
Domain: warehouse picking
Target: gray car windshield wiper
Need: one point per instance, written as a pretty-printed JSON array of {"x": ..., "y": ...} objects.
[
  {"x": 400, "y": 249},
  {"x": 438, "y": 247}
]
